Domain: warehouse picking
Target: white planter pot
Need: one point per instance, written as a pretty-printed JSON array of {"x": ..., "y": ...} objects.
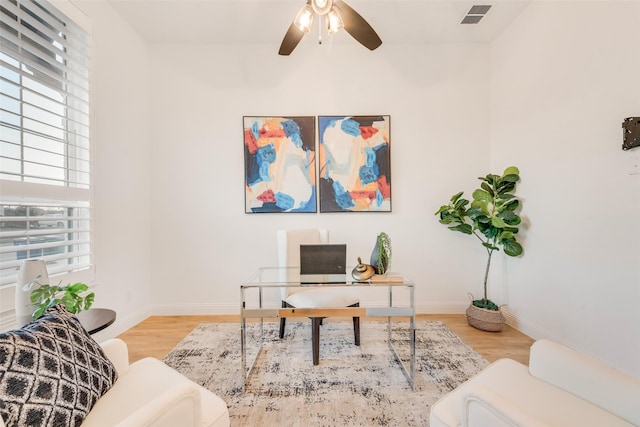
[{"x": 29, "y": 270}]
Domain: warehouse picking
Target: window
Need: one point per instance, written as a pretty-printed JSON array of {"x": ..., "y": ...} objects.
[{"x": 45, "y": 150}]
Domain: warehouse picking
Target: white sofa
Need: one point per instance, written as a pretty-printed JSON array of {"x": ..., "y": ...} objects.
[
  {"x": 150, "y": 393},
  {"x": 561, "y": 387}
]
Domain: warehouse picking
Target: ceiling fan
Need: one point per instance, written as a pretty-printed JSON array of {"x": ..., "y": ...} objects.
[{"x": 337, "y": 15}]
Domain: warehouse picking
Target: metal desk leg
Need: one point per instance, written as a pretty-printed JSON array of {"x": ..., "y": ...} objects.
[
  {"x": 410, "y": 372},
  {"x": 248, "y": 369}
]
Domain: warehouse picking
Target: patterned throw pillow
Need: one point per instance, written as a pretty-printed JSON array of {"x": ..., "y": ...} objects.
[{"x": 51, "y": 372}]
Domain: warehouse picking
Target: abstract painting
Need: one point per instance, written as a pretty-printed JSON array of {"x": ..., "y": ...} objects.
[
  {"x": 279, "y": 164},
  {"x": 354, "y": 163}
]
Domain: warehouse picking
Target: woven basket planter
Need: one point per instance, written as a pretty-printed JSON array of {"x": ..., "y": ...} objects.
[{"x": 485, "y": 320}]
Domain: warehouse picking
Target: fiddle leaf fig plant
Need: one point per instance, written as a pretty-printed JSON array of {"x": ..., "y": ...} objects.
[
  {"x": 491, "y": 217},
  {"x": 46, "y": 296}
]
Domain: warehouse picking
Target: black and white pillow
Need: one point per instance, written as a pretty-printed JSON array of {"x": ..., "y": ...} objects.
[{"x": 51, "y": 372}]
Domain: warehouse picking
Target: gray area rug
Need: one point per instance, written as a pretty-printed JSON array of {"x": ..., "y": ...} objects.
[{"x": 352, "y": 386}]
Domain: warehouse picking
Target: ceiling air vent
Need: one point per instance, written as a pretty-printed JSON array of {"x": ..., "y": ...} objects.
[{"x": 475, "y": 14}]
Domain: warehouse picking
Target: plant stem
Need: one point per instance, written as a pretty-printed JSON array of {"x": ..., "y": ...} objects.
[{"x": 486, "y": 273}]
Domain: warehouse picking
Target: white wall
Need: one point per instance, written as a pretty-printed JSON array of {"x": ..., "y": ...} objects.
[
  {"x": 122, "y": 167},
  {"x": 203, "y": 243},
  {"x": 563, "y": 78}
]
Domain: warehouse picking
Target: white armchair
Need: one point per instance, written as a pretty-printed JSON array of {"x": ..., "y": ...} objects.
[
  {"x": 289, "y": 242},
  {"x": 560, "y": 388},
  {"x": 150, "y": 393}
]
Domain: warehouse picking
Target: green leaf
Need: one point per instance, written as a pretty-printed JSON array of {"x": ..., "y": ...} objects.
[
  {"x": 514, "y": 221},
  {"x": 498, "y": 222},
  {"x": 486, "y": 187},
  {"x": 39, "y": 311},
  {"x": 76, "y": 288},
  {"x": 36, "y": 281},
  {"x": 456, "y": 196},
  {"x": 68, "y": 300},
  {"x": 511, "y": 178},
  {"x": 491, "y": 179},
  {"x": 504, "y": 188},
  {"x": 37, "y": 293},
  {"x": 487, "y": 304},
  {"x": 88, "y": 301},
  {"x": 482, "y": 196},
  {"x": 505, "y": 235},
  {"x": 482, "y": 205},
  {"x": 509, "y": 217},
  {"x": 474, "y": 212},
  {"x": 442, "y": 209},
  {"x": 482, "y": 219},
  {"x": 511, "y": 205},
  {"x": 463, "y": 228},
  {"x": 511, "y": 170},
  {"x": 490, "y": 246},
  {"x": 490, "y": 232},
  {"x": 511, "y": 247},
  {"x": 461, "y": 204}
]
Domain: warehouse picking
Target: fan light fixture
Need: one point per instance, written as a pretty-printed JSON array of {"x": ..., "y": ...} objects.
[
  {"x": 337, "y": 15},
  {"x": 334, "y": 21},
  {"x": 304, "y": 19},
  {"x": 321, "y": 7},
  {"x": 324, "y": 8}
]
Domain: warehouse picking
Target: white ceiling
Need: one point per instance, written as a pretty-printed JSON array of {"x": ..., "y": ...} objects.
[{"x": 266, "y": 21}]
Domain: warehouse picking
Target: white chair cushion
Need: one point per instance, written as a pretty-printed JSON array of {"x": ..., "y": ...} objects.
[{"x": 323, "y": 298}]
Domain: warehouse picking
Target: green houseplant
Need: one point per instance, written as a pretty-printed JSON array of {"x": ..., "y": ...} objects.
[
  {"x": 73, "y": 296},
  {"x": 491, "y": 217},
  {"x": 381, "y": 254}
]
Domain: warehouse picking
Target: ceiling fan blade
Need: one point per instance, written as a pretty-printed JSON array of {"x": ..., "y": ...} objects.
[
  {"x": 291, "y": 40},
  {"x": 356, "y": 25}
]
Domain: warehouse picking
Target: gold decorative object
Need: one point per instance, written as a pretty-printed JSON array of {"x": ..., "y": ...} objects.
[{"x": 362, "y": 271}]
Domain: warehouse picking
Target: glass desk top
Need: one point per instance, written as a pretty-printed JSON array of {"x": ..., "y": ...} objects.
[{"x": 290, "y": 276}]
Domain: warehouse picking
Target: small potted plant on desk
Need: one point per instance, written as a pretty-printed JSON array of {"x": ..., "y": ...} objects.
[
  {"x": 381, "y": 254},
  {"x": 491, "y": 217}
]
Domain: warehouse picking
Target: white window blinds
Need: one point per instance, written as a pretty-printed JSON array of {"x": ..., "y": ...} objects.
[{"x": 45, "y": 149}]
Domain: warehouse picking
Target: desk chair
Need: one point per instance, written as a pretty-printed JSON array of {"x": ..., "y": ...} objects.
[{"x": 289, "y": 242}]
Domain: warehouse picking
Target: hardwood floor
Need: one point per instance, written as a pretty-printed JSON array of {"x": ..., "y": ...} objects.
[{"x": 157, "y": 335}]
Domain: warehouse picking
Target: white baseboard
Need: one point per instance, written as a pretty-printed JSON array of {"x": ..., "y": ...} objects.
[
  {"x": 530, "y": 329},
  {"x": 194, "y": 309},
  {"x": 442, "y": 307}
]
